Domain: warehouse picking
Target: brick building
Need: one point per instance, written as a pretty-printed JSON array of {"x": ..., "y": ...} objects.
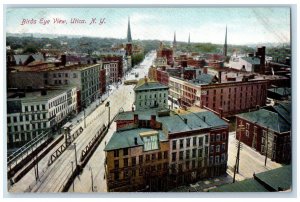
[
  {"x": 268, "y": 129},
  {"x": 155, "y": 149}
]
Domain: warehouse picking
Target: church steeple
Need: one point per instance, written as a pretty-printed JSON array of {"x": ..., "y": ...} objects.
[
  {"x": 129, "y": 39},
  {"x": 225, "y": 44},
  {"x": 174, "y": 41},
  {"x": 189, "y": 41}
]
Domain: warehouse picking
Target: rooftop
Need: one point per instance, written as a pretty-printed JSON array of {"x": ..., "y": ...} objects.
[
  {"x": 126, "y": 139},
  {"x": 276, "y": 118},
  {"x": 147, "y": 84},
  {"x": 175, "y": 123},
  {"x": 252, "y": 60},
  {"x": 281, "y": 91},
  {"x": 278, "y": 179},
  {"x": 46, "y": 67}
]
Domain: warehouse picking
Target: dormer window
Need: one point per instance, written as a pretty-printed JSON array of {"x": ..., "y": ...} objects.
[{"x": 150, "y": 140}]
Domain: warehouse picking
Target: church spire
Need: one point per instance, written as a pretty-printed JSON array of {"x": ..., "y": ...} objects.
[
  {"x": 174, "y": 41},
  {"x": 189, "y": 41},
  {"x": 225, "y": 44},
  {"x": 129, "y": 39}
]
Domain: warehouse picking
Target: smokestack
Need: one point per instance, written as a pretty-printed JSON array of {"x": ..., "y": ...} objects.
[
  {"x": 63, "y": 60},
  {"x": 220, "y": 75}
]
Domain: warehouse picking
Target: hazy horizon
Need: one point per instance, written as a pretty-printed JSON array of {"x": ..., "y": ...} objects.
[{"x": 205, "y": 25}]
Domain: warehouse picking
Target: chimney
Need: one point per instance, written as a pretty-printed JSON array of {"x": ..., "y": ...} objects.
[
  {"x": 204, "y": 118},
  {"x": 135, "y": 118},
  {"x": 63, "y": 60},
  {"x": 88, "y": 61},
  {"x": 135, "y": 141},
  {"x": 146, "y": 80},
  {"x": 94, "y": 61},
  {"x": 185, "y": 120},
  {"x": 220, "y": 75},
  {"x": 152, "y": 121}
]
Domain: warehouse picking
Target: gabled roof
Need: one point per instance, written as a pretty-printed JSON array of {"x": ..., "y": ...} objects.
[
  {"x": 281, "y": 91},
  {"x": 277, "y": 120}
]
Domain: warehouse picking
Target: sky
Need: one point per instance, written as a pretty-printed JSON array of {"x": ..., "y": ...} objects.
[{"x": 245, "y": 25}]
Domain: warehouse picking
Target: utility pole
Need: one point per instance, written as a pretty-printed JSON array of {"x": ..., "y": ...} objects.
[
  {"x": 267, "y": 147},
  {"x": 84, "y": 117},
  {"x": 237, "y": 161},
  {"x": 72, "y": 174},
  {"x": 75, "y": 154},
  {"x": 92, "y": 179}
]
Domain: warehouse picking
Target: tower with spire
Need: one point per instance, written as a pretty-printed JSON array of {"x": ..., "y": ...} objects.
[
  {"x": 174, "y": 44},
  {"x": 128, "y": 47},
  {"x": 129, "y": 39},
  {"x": 225, "y": 44}
]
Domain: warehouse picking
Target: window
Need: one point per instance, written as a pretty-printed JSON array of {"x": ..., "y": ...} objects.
[
  {"x": 212, "y": 148},
  {"x": 222, "y": 158},
  {"x": 181, "y": 144},
  {"x": 74, "y": 75},
  {"x": 125, "y": 152},
  {"x": 224, "y": 135},
  {"x": 174, "y": 144},
  {"x": 181, "y": 155},
  {"x": 223, "y": 147},
  {"x": 211, "y": 160},
  {"x": 153, "y": 156},
  {"x": 188, "y": 142},
  {"x": 247, "y": 126},
  {"x": 116, "y": 163},
  {"x": 200, "y": 140},
  {"x": 218, "y": 148},
  {"x": 187, "y": 154},
  {"x": 125, "y": 160},
  {"x": 15, "y": 119},
  {"x": 116, "y": 153},
  {"x": 194, "y": 153},
  {"x": 159, "y": 155},
  {"x": 174, "y": 156},
  {"x": 212, "y": 138},
  {"x": 200, "y": 153},
  {"x": 147, "y": 157},
  {"x": 159, "y": 167},
  {"x": 140, "y": 159},
  {"x": 140, "y": 171},
  {"x": 247, "y": 133},
  {"x": 255, "y": 129},
  {"x": 133, "y": 161},
  {"x": 32, "y": 108},
  {"x": 165, "y": 155},
  {"x": 194, "y": 141},
  {"x": 217, "y": 159},
  {"x": 218, "y": 137},
  {"x": 206, "y": 139},
  {"x": 26, "y": 108}
]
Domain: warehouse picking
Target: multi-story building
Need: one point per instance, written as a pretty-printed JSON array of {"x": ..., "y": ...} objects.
[
  {"x": 150, "y": 94},
  {"x": 228, "y": 97},
  {"x": 84, "y": 77},
  {"x": 30, "y": 113},
  {"x": 111, "y": 69},
  {"x": 268, "y": 129},
  {"x": 172, "y": 147}
]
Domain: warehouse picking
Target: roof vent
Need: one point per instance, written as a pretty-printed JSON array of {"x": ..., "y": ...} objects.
[{"x": 185, "y": 120}]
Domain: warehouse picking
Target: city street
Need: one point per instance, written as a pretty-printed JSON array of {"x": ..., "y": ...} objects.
[
  {"x": 94, "y": 170},
  {"x": 52, "y": 178}
]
